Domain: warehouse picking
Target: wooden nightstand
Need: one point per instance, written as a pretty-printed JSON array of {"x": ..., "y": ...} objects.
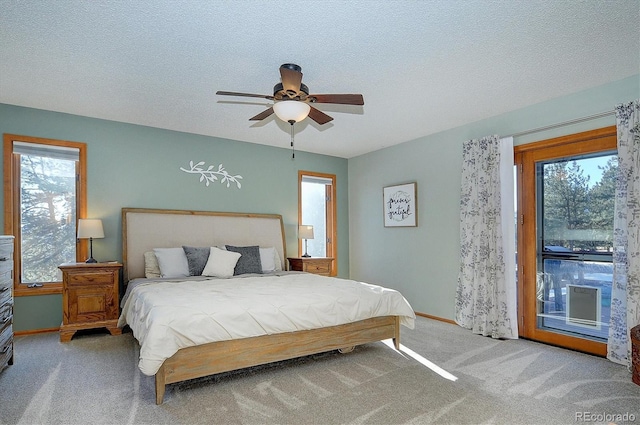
[
  {"x": 316, "y": 265},
  {"x": 90, "y": 298}
]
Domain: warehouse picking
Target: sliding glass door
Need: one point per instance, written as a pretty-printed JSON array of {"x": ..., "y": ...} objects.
[
  {"x": 574, "y": 202},
  {"x": 566, "y": 192}
]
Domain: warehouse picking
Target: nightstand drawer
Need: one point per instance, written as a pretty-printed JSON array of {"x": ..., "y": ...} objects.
[
  {"x": 317, "y": 268},
  {"x": 85, "y": 278},
  {"x": 315, "y": 265}
]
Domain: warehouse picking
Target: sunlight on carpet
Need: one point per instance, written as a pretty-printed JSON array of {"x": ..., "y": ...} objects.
[{"x": 417, "y": 357}]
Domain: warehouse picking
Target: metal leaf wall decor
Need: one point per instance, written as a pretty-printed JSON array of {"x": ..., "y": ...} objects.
[{"x": 210, "y": 174}]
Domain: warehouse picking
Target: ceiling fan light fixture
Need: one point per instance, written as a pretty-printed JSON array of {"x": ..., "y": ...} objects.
[
  {"x": 291, "y": 110},
  {"x": 292, "y": 99}
]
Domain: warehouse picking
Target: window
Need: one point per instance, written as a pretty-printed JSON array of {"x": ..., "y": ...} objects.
[
  {"x": 317, "y": 208},
  {"x": 44, "y": 197},
  {"x": 565, "y": 232}
]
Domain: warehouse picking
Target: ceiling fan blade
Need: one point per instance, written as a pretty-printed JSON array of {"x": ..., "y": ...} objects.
[
  {"x": 342, "y": 99},
  {"x": 291, "y": 79},
  {"x": 231, "y": 93},
  {"x": 262, "y": 115},
  {"x": 319, "y": 116}
]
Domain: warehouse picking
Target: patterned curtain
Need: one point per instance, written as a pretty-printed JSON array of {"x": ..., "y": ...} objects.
[
  {"x": 625, "y": 294},
  {"x": 486, "y": 292}
]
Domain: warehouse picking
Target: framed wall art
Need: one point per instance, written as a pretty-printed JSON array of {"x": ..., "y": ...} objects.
[{"x": 400, "y": 205}]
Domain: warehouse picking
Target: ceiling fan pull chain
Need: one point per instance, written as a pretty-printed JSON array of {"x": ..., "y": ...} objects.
[{"x": 293, "y": 150}]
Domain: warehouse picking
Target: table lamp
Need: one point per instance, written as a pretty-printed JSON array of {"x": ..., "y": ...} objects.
[
  {"x": 90, "y": 228},
  {"x": 305, "y": 232}
]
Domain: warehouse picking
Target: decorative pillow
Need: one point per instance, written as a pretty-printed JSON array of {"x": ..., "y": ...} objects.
[
  {"x": 196, "y": 258},
  {"x": 249, "y": 262},
  {"x": 220, "y": 263},
  {"x": 151, "y": 267},
  {"x": 277, "y": 260},
  {"x": 172, "y": 262},
  {"x": 268, "y": 259}
]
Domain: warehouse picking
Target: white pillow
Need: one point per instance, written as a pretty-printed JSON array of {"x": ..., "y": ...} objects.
[
  {"x": 151, "y": 267},
  {"x": 277, "y": 260},
  {"x": 221, "y": 263},
  {"x": 268, "y": 260},
  {"x": 172, "y": 261}
]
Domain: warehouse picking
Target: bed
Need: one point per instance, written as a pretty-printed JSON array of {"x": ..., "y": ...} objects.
[{"x": 264, "y": 321}]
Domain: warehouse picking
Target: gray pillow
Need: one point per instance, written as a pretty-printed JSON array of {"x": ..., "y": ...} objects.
[
  {"x": 249, "y": 261},
  {"x": 197, "y": 258}
]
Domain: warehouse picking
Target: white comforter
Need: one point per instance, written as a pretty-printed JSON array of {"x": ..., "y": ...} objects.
[{"x": 166, "y": 316}]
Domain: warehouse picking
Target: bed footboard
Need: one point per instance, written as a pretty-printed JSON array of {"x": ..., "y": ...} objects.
[{"x": 224, "y": 356}]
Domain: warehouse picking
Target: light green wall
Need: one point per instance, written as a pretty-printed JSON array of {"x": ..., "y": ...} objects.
[
  {"x": 137, "y": 166},
  {"x": 423, "y": 262}
]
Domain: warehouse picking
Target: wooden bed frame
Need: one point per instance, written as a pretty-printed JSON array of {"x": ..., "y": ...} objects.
[{"x": 145, "y": 229}]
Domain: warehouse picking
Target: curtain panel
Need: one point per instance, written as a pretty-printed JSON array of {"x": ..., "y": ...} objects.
[
  {"x": 486, "y": 290},
  {"x": 625, "y": 294}
]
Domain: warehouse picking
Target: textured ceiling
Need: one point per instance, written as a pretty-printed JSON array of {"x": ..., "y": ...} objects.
[{"x": 422, "y": 66}]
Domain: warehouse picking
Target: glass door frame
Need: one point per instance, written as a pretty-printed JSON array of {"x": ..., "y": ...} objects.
[{"x": 525, "y": 158}]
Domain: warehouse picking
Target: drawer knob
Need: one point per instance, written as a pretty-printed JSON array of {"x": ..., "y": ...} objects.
[
  {"x": 4, "y": 258},
  {"x": 4, "y": 289}
]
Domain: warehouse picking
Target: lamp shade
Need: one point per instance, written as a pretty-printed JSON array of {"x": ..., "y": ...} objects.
[
  {"x": 90, "y": 228},
  {"x": 305, "y": 231},
  {"x": 291, "y": 110}
]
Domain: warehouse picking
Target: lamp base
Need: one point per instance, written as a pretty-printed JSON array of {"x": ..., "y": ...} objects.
[
  {"x": 306, "y": 250},
  {"x": 91, "y": 260}
]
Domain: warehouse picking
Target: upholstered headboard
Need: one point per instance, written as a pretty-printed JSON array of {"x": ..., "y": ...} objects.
[{"x": 144, "y": 229}]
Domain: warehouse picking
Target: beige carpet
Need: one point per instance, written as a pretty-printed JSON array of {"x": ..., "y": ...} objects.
[{"x": 94, "y": 380}]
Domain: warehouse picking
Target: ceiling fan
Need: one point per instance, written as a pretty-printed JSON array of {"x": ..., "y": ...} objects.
[{"x": 293, "y": 101}]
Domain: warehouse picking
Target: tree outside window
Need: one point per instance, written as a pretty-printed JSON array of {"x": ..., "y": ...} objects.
[
  {"x": 45, "y": 195},
  {"x": 47, "y": 216}
]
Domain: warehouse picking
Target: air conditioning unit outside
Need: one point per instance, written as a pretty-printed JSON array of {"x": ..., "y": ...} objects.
[{"x": 583, "y": 306}]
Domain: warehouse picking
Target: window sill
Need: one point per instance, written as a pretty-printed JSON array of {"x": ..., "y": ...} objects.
[{"x": 47, "y": 289}]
